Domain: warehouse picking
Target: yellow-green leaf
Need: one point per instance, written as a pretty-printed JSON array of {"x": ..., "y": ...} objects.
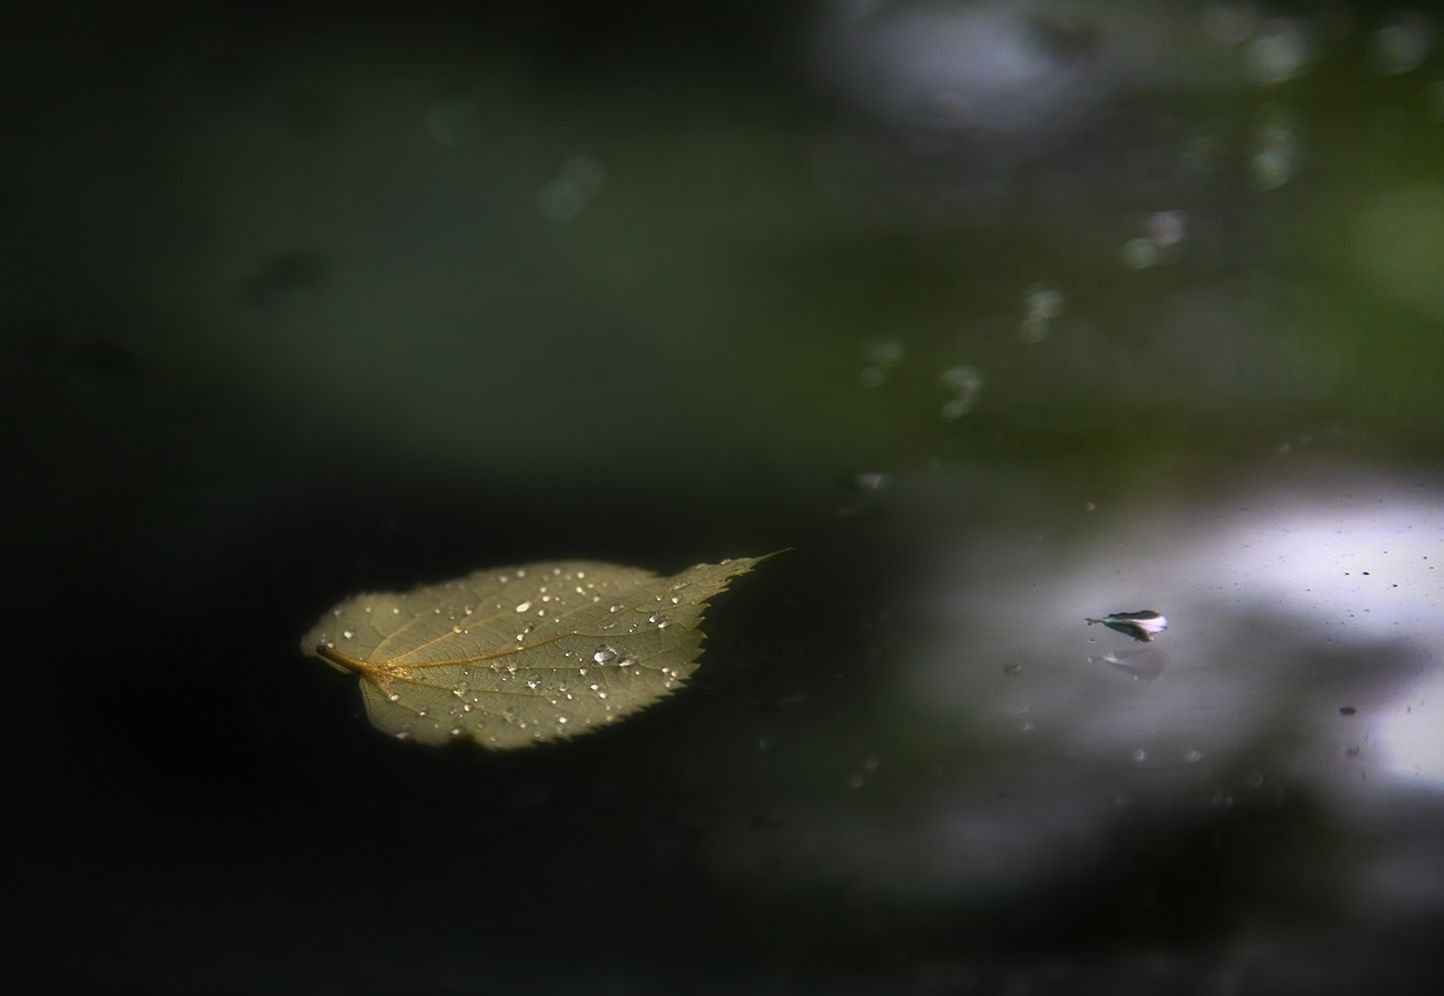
[{"x": 516, "y": 655}]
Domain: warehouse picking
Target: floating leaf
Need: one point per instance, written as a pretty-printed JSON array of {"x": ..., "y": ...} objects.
[{"x": 517, "y": 655}]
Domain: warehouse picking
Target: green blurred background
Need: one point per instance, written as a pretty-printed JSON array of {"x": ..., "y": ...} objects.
[{"x": 305, "y": 301}]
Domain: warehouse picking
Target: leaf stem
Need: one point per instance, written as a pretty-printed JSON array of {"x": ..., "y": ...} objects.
[{"x": 336, "y": 657}]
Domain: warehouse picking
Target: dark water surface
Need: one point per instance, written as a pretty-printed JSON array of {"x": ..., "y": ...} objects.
[{"x": 1000, "y": 316}]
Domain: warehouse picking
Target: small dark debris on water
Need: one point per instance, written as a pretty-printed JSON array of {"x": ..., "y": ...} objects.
[
  {"x": 1347, "y": 710},
  {"x": 1142, "y": 625}
]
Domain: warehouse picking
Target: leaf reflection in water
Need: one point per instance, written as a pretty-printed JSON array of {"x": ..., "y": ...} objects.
[{"x": 1146, "y": 663}]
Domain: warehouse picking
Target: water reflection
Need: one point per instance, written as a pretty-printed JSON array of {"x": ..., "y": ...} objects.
[
  {"x": 990, "y": 70},
  {"x": 1404, "y": 43},
  {"x": 1142, "y": 663},
  {"x": 1281, "y": 51},
  {"x": 1302, "y": 654}
]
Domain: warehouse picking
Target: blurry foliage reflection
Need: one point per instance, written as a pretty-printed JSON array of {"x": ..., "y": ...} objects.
[{"x": 960, "y": 299}]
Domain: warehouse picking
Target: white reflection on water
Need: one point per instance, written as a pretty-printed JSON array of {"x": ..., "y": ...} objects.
[
  {"x": 990, "y": 69},
  {"x": 1284, "y": 608},
  {"x": 1304, "y": 650}
]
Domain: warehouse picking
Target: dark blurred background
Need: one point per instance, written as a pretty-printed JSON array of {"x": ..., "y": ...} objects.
[{"x": 999, "y": 314}]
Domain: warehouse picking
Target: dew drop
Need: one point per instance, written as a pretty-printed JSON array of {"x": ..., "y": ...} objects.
[
  {"x": 404, "y": 735},
  {"x": 676, "y": 599},
  {"x": 521, "y": 573},
  {"x": 396, "y": 612},
  {"x": 468, "y": 610},
  {"x": 664, "y": 622},
  {"x": 601, "y": 695},
  {"x": 604, "y": 654},
  {"x": 392, "y": 696},
  {"x": 524, "y": 607},
  {"x": 617, "y": 608},
  {"x": 421, "y": 712},
  {"x": 456, "y": 628},
  {"x": 541, "y": 612},
  {"x": 336, "y": 612},
  {"x": 533, "y": 683},
  {"x": 455, "y": 731},
  {"x": 1013, "y": 670},
  {"x": 466, "y": 707},
  {"x": 581, "y": 574},
  {"x": 626, "y": 662}
]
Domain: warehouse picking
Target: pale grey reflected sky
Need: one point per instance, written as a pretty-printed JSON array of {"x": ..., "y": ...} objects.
[
  {"x": 1286, "y": 603},
  {"x": 1290, "y": 598}
]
